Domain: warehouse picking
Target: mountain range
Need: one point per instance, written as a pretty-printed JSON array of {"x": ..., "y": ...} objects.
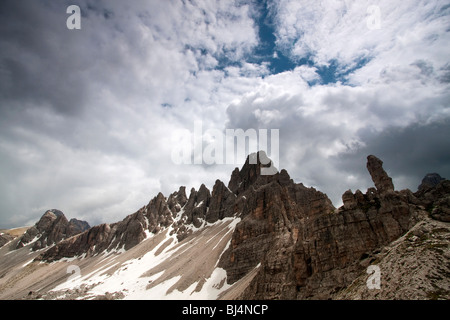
[{"x": 258, "y": 237}]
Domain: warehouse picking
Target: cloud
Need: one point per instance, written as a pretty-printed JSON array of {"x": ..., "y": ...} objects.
[
  {"x": 343, "y": 34},
  {"x": 409, "y": 153},
  {"x": 35, "y": 61},
  {"x": 88, "y": 117},
  {"x": 82, "y": 123}
]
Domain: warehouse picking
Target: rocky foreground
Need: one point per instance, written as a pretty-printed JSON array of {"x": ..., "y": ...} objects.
[{"x": 259, "y": 237}]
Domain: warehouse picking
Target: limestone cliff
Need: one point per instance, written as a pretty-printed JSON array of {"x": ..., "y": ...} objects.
[{"x": 308, "y": 250}]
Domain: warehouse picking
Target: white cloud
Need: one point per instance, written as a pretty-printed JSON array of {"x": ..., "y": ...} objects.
[{"x": 337, "y": 30}]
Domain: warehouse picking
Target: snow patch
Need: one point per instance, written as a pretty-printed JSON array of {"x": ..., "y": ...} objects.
[
  {"x": 148, "y": 234},
  {"x": 128, "y": 277},
  {"x": 199, "y": 204},
  {"x": 27, "y": 263},
  {"x": 211, "y": 289}
]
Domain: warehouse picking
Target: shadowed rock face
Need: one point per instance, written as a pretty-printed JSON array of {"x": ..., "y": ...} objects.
[
  {"x": 431, "y": 180},
  {"x": 434, "y": 195},
  {"x": 275, "y": 209},
  {"x": 221, "y": 204},
  {"x": 307, "y": 249}
]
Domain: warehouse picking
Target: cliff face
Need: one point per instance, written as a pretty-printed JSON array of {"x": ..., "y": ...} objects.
[{"x": 306, "y": 248}]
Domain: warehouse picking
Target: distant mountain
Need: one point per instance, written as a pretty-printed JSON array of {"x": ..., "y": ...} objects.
[
  {"x": 431, "y": 180},
  {"x": 51, "y": 229},
  {"x": 258, "y": 237}
]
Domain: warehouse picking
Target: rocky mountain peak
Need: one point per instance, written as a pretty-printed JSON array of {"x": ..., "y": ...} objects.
[
  {"x": 221, "y": 204},
  {"x": 177, "y": 199},
  {"x": 429, "y": 181},
  {"x": 48, "y": 219},
  {"x": 251, "y": 171},
  {"x": 51, "y": 228},
  {"x": 203, "y": 194}
]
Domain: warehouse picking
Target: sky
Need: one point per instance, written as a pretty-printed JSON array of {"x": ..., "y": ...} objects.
[{"x": 90, "y": 118}]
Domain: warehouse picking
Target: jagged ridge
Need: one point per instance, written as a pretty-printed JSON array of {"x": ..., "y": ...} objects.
[
  {"x": 183, "y": 214},
  {"x": 305, "y": 247}
]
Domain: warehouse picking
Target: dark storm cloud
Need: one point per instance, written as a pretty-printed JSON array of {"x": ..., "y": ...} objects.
[
  {"x": 50, "y": 76},
  {"x": 40, "y": 59},
  {"x": 56, "y": 139},
  {"x": 408, "y": 153}
]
